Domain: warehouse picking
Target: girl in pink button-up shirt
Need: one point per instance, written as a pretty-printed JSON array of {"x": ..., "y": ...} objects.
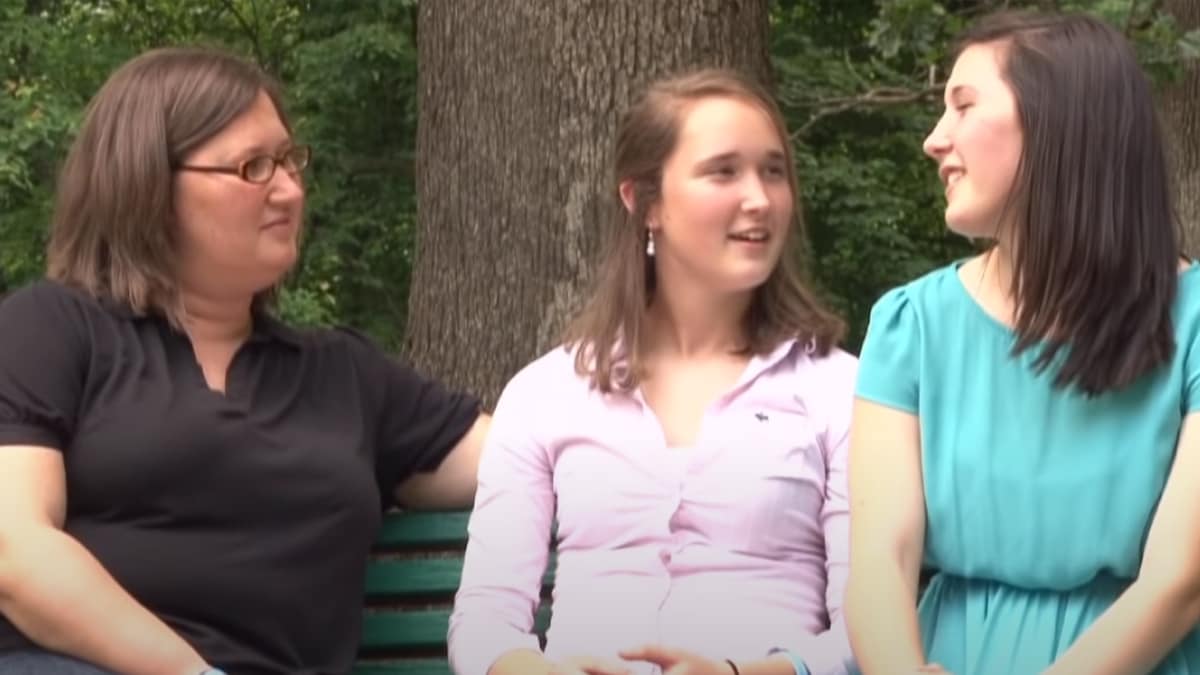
[{"x": 689, "y": 439}]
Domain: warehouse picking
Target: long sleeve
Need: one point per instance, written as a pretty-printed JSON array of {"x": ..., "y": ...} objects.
[
  {"x": 829, "y": 653},
  {"x": 508, "y": 539}
]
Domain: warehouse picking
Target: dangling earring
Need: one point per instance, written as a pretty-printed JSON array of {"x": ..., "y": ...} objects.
[{"x": 649, "y": 242}]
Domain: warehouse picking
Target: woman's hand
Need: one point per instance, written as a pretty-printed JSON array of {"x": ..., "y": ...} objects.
[
  {"x": 676, "y": 661},
  {"x": 588, "y": 665}
]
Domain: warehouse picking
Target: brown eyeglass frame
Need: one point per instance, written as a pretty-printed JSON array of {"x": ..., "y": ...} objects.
[{"x": 240, "y": 170}]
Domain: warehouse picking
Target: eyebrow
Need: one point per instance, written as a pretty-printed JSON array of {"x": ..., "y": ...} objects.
[
  {"x": 953, "y": 91},
  {"x": 260, "y": 149},
  {"x": 732, "y": 155}
]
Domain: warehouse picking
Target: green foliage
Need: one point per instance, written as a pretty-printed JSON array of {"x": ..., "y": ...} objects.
[
  {"x": 914, "y": 28},
  {"x": 353, "y": 91},
  {"x": 38, "y": 112}
]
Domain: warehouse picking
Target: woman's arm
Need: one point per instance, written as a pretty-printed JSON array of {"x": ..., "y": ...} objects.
[
  {"x": 508, "y": 545},
  {"x": 828, "y": 652},
  {"x": 452, "y": 485},
  {"x": 1163, "y": 604},
  {"x": 887, "y": 537},
  {"x": 57, "y": 594}
]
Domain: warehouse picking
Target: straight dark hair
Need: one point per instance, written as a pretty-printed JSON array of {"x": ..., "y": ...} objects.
[
  {"x": 113, "y": 232},
  {"x": 607, "y": 334},
  {"x": 1096, "y": 243}
]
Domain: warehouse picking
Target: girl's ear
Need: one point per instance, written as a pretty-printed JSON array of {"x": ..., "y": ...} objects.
[{"x": 627, "y": 191}]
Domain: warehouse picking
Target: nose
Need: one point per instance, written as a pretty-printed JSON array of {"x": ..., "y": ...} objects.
[
  {"x": 754, "y": 195},
  {"x": 286, "y": 185},
  {"x": 937, "y": 143}
]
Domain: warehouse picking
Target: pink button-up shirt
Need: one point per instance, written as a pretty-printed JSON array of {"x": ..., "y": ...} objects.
[{"x": 729, "y": 548}]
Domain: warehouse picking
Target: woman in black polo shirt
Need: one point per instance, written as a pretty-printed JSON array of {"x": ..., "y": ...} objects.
[{"x": 187, "y": 484}]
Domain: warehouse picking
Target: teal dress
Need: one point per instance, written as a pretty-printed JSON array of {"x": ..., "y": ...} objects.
[{"x": 1038, "y": 500}]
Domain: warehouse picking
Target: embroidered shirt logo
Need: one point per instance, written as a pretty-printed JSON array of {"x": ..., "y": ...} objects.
[{"x": 760, "y": 416}]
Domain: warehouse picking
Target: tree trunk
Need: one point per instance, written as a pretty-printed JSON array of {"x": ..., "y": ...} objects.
[
  {"x": 518, "y": 105},
  {"x": 1181, "y": 115}
]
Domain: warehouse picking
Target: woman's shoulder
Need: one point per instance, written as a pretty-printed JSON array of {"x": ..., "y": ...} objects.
[
  {"x": 46, "y": 301},
  {"x": 1189, "y": 288},
  {"x": 821, "y": 380},
  {"x": 552, "y": 372},
  {"x": 825, "y": 371},
  {"x": 63, "y": 326},
  {"x": 47, "y": 290},
  {"x": 929, "y": 292},
  {"x": 1186, "y": 312},
  {"x": 544, "y": 398},
  {"x": 901, "y": 318}
]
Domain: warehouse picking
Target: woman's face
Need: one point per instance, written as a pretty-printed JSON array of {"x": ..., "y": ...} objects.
[
  {"x": 236, "y": 238},
  {"x": 726, "y": 200},
  {"x": 977, "y": 143}
]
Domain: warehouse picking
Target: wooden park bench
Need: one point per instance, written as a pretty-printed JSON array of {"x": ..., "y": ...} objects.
[{"x": 411, "y": 580}]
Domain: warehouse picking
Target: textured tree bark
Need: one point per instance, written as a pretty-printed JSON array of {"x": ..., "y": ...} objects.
[
  {"x": 1181, "y": 115},
  {"x": 518, "y": 105}
]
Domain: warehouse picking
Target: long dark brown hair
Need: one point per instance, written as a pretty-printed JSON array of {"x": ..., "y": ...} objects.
[
  {"x": 112, "y": 233},
  {"x": 607, "y": 333},
  {"x": 1096, "y": 241}
]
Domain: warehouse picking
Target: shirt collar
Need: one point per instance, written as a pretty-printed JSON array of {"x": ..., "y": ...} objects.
[
  {"x": 267, "y": 328},
  {"x": 762, "y": 363},
  {"x": 759, "y": 363},
  {"x": 270, "y": 328}
]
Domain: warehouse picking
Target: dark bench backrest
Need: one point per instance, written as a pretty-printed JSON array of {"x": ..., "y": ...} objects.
[{"x": 411, "y": 581}]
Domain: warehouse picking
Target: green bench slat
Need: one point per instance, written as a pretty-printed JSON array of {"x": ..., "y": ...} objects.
[
  {"x": 425, "y": 577},
  {"x": 422, "y": 580},
  {"x": 415, "y": 667},
  {"x": 403, "y": 578},
  {"x": 411, "y": 629},
  {"x": 427, "y": 529},
  {"x": 423, "y": 529},
  {"x": 419, "y": 629}
]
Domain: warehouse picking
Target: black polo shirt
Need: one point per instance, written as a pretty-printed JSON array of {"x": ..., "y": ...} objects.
[{"x": 243, "y": 519}]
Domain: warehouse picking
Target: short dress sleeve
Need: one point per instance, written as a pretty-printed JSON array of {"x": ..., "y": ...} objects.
[
  {"x": 1187, "y": 332},
  {"x": 890, "y": 359}
]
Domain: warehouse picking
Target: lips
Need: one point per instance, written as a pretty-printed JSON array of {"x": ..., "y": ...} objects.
[
  {"x": 754, "y": 235},
  {"x": 281, "y": 222},
  {"x": 950, "y": 176}
]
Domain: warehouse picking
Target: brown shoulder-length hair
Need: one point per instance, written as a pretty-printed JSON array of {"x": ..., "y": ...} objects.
[
  {"x": 112, "y": 234},
  {"x": 606, "y": 335},
  {"x": 1096, "y": 241}
]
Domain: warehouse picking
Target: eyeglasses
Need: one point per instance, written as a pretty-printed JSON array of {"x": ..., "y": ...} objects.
[{"x": 261, "y": 169}]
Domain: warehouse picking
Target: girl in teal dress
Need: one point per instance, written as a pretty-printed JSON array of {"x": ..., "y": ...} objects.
[{"x": 1025, "y": 419}]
